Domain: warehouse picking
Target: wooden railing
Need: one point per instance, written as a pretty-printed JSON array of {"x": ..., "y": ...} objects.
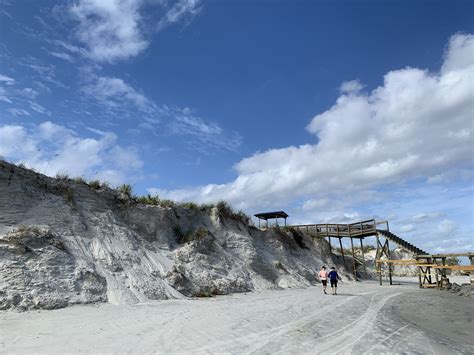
[{"x": 357, "y": 229}]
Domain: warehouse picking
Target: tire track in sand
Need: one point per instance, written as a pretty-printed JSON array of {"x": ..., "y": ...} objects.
[{"x": 255, "y": 341}]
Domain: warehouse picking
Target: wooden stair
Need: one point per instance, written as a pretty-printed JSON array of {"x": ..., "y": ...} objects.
[{"x": 402, "y": 242}]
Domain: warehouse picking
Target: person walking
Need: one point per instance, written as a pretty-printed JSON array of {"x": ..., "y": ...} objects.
[
  {"x": 323, "y": 277},
  {"x": 333, "y": 277}
]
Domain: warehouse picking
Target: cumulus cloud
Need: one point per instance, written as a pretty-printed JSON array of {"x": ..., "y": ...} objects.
[
  {"x": 115, "y": 30},
  {"x": 353, "y": 86},
  {"x": 416, "y": 125},
  {"x": 109, "y": 29},
  {"x": 52, "y": 148}
]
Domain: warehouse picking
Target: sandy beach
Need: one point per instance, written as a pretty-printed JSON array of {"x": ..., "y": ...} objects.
[{"x": 362, "y": 318}]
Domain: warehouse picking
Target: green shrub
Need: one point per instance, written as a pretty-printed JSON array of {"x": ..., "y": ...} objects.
[
  {"x": 189, "y": 205},
  {"x": 148, "y": 200},
  {"x": 95, "y": 184},
  {"x": 126, "y": 189},
  {"x": 167, "y": 203},
  {"x": 63, "y": 176},
  {"x": 68, "y": 196},
  {"x": 189, "y": 236},
  {"x": 207, "y": 206},
  {"x": 227, "y": 212},
  {"x": 79, "y": 180}
]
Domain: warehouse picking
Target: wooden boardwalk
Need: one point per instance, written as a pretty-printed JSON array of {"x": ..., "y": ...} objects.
[{"x": 360, "y": 229}]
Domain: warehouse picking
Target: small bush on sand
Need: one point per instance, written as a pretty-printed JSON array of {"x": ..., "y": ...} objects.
[
  {"x": 95, "y": 184},
  {"x": 68, "y": 196},
  {"x": 62, "y": 176},
  {"x": 207, "y": 206},
  {"x": 148, "y": 200},
  {"x": 126, "y": 189},
  {"x": 79, "y": 180},
  {"x": 189, "y": 236},
  {"x": 167, "y": 203},
  {"x": 227, "y": 212},
  {"x": 189, "y": 205}
]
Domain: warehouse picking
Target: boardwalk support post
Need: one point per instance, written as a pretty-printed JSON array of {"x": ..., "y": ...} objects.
[
  {"x": 363, "y": 257},
  {"x": 342, "y": 252},
  {"x": 353, "y": 261}
]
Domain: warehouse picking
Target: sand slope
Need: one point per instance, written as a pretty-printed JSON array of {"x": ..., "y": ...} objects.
[{"x": 64, "y": 242}]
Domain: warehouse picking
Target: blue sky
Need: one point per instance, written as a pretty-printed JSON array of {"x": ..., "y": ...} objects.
[{"x": 331, "y": 110}]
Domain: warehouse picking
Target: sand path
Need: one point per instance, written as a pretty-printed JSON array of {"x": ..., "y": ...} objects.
[{"x": 363, "y": 318}]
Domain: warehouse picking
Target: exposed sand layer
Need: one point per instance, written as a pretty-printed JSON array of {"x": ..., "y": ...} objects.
[
  {"x": 364, "y": 318},
  {"x": 64, "y": 242}
]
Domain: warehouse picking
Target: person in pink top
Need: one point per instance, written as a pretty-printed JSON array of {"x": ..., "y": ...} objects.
[{"x": 323, "y": 277}]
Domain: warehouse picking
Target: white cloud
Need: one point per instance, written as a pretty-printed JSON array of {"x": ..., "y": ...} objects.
[
  {"x": 18, "y": 112},
  {"x": 7, "y": 80},
  {"x": 62, "y": 55},
  {"x": 446, "y": 227},
  {"x": 114, "y": 93},
  {"x": 207, "y": 134},
  {"x": 353, "y": 86},
  {"x": 40, "y": 109},
  {"x": 110, "y": 29},
  {"x": 4, "y": 95},
  {"x": 115, "y": 30},
  {"x": 407, "y": 228},
  {"x": 29, "y": 93},
  {"x": 178, "y": 11},
  {"x": 52, "y": 148},
  {"x": 426, "y": 217},
  {"x": 416, "y": 125}
]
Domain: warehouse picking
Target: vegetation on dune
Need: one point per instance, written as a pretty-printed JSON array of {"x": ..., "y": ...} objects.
[
  {"x": 223, "y": 208},
  {"x": 126, "y": 189},
  {"x": 227, "y": 212},
  {"x": 190, "y": 235}
]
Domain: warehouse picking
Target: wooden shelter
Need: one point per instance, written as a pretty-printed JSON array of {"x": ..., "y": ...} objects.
[{"x": 271, "y": 215}]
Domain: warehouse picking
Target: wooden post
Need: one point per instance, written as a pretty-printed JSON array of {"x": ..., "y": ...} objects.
[
  {"x": 363, "y": 258},
  {"x": 353, "y": 261},
  {"x": 342, "y": 252},
  {"x": 378, "y": 266},
  {"x": 443, "y": 271},
  {"x": 437, "y": 281},
  {"x": 471, "y": 274},
  {"x": 389, "y": 264},
  {"x": 420, "y": 270}
]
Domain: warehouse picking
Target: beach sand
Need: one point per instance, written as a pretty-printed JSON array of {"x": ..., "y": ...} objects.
[{"x": 364, "y": 318}]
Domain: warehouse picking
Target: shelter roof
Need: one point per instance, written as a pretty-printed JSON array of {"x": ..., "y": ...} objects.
[{"x": 270, "y": 215}]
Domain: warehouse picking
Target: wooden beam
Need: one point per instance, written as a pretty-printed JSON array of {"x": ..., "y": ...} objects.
[{"x": 400, "y": 261}]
